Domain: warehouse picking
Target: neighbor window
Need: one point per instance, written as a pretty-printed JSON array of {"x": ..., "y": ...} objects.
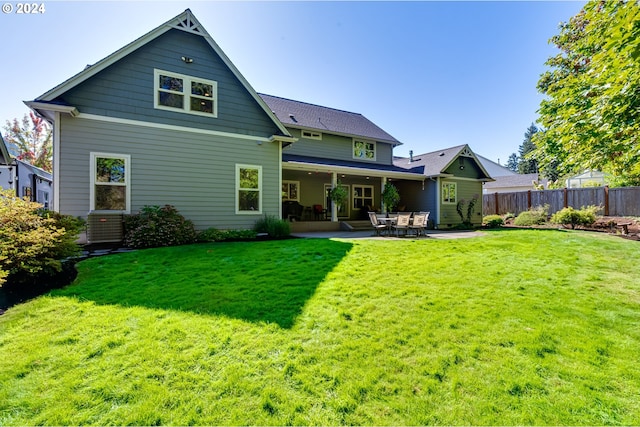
[
  {"x": 449, "y": 192},
  {"x": 193, "y": 95},
  {"x": 364, "y": 150},
  {"x": 363, "y": 197},
  {"x": 248, "y": 189},
  {"x": 110, "y": 189},
  {"x": 290, "y": 190}
]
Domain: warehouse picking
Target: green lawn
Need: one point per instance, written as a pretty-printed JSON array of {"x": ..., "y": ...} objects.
[{"x": 516, "y": 327}]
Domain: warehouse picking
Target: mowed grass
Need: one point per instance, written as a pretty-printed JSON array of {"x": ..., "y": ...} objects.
[{"x": 515, "y": 327}]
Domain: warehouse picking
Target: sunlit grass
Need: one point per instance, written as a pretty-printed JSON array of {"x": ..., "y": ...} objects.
[{"x": 518, "y": 327}]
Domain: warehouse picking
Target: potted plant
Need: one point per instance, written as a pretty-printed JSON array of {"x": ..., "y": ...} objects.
[
  {"x": 338, "y": 195},
  {"x": 390, "y": 196}
]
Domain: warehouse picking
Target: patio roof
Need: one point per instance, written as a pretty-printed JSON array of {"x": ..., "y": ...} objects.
[{"x": 315, "y": 164}]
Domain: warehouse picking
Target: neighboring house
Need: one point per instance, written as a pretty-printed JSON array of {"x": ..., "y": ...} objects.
[
  {"x": 588, "y": 178},
  {"x": 27, "y": 180},
  {"x": 452, "y": 175},
  {"x": 168, "y": 119},
  {"x": 508, "y": 181}
]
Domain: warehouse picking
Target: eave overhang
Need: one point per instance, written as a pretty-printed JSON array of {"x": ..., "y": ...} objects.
[{"x": 350, "y": 170}]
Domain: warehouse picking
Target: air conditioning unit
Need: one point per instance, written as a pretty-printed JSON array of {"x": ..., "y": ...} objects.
[{"x": 104, "y": 227}]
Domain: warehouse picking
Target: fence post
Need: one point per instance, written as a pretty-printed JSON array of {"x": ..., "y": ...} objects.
[
  {"x": 606, "y": 200},
  {"x": 496, "y": 198},
  {"x": 566, "y": 197},
  {"x": 529, "y": 200}
]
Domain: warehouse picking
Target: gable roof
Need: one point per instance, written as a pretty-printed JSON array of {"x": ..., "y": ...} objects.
[
  {"x": 436, "y": 163},
  {"x": 302, "y": 115},
  {"x": 185, "y": 21}
]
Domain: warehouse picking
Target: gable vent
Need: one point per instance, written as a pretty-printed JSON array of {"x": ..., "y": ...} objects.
[{"x": 188, "y": 24}]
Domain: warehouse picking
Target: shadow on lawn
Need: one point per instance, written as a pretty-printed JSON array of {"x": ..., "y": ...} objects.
[{"x": 258, "y": 282}]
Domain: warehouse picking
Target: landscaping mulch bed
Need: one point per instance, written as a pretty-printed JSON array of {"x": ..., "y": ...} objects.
[{"x": 625, "y": 227}]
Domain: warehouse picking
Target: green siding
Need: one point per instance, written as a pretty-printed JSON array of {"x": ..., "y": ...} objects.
[
  {"x": 192, "y": 171},
  {"x": 335, "y": 147},
  {"x": 466, "y": 189}
]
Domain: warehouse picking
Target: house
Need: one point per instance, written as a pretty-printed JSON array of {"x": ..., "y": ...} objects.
[
  {"x": 27, "y": 180},
  {"x": 507, "y": 181},
  {"x": 451, "y": 175},
  {"x": 168, "y": 119}
]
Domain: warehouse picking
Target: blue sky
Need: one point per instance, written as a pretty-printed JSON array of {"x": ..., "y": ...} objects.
[{"x": 432, "y": 74}]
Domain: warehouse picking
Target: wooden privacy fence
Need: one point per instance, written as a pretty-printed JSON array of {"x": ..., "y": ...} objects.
[{"x": 623, "y": 201}]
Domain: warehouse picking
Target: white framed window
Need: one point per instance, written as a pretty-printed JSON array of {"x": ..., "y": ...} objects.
[
  {"x": 449, "y": 192},
  {"x": 186, "y": 94},
  {"x": 362, "y": 196},
  {"x": 110, "y": 182},
  {"x": 248, "y": 189},
  {"x": 291, "y": 190},
  {"x": 365, "y": 150},
  {"x": 311, "y": 135}
]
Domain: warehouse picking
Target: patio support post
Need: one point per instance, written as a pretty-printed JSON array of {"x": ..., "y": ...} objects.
[
  {"x": 334, "y": 208},
  {"x": 383, "y": 182}
]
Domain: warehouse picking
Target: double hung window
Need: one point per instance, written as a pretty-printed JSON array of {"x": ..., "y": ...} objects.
[
  {"x": 110, "y": 182},
  {"x": 248, "y": 189}
]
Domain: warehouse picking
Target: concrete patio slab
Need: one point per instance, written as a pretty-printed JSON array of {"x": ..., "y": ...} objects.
[{"x": 433, "y": 234}]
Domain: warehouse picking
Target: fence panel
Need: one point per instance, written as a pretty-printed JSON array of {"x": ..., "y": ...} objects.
[{"x": 614, "y": 201}]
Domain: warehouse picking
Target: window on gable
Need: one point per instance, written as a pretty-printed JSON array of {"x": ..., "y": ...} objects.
[
  {"x": 248, "y": 189},
  {"x": 365, "y": 150},
  {"x": 449, "y": 192},
  {"x": 193, "y": 95},
  {"x": 110, "y": 189},
  {"x": 311, "y": 135}
]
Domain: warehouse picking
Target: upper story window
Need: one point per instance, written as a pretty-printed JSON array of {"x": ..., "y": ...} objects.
[
  {"x": 311, "y": 135},
  {"x": 186, "y": 94},
  {"x": 110, "y": 189},
  {"x": 365, "y": 150}
]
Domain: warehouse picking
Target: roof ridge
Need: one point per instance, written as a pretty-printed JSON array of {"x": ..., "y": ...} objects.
[{"x": 311, "y": 104}]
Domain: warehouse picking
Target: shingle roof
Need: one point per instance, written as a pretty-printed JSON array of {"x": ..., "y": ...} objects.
[
  {"x": 436, "y": 162},
  {"x": 517, "y": 180},
  {"x": 309, "y": 116},
  {"x": 349, "y": 164}
]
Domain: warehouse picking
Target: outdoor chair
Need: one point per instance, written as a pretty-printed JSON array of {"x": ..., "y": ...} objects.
[
  {"x": 376, "y": 225},
  {"x": 419, "y": 223},
  {"x": 403, "y": 223}
]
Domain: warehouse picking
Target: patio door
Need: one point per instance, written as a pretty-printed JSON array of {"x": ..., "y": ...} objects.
[{"x": 343, "y": 211}]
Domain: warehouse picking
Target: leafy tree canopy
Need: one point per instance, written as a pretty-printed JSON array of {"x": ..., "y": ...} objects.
[
  {"x": 32, "y": 139},
  {"x": 591, "y": 114}
]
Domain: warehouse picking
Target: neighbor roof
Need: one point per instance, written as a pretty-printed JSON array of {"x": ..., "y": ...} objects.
[
  {"x": 302, "y": 115},
  {"x": 517, "y": 180}
]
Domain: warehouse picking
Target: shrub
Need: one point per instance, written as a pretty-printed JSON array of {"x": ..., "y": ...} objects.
[
  {"x": 156, "y": 226},
  {"x": 534, "y": 216},
  {"x": 33, "y": 240},
  {"x": 573, "y": 217},
  {"x": 273, "y": 226},
  {"x": 493, "y": 221}
]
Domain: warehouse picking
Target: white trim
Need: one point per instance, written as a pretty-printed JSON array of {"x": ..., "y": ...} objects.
[
  {"x": 68, "y": 109},
  {"x": 127, "y": 180},
  {"x": 260, "y": 189},
  {"x": 56, "y": 162},
  {"x": 186, "y": 93},
  {"x": 364, "y": 141},
  {"x": 362, "y": 186},
  {"x": 279, "y": 177},
  {"x": 172, "y": 127}
]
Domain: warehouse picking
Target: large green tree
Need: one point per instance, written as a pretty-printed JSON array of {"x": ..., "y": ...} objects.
[
  {"x": 32, "y": 139},
  {"x": 590, "y": 116},
  {"x": 528, "y": 162}
]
